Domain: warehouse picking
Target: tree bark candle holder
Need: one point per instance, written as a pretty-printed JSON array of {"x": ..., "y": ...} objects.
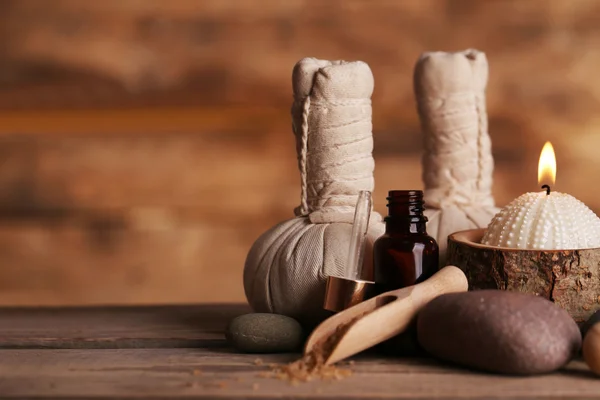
[
  {"x": 543, "y": 243},
  {"x": 569, "y": 278}
]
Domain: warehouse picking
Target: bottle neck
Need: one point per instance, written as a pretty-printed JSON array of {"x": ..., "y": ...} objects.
[
  {"x": 405, "y": 213},
  {"x": 404, "y": 226}
]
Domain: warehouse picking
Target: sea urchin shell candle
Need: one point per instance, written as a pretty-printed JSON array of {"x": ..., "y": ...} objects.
[{"x": 544, "y": 220}]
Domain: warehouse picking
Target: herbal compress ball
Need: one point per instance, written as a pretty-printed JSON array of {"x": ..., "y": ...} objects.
[
  {"x": 287, "y": 267},
  {"x": 457, "y": 160}
]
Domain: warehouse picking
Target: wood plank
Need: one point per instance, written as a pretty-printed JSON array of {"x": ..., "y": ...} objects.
[
  {"x": 191, "y": 326},
  {"x": 110, "y": 264},
  {"x": 220, "y": 374},
  {"x": 183, "y": 170},
  {"x": 208, "y": 121}
]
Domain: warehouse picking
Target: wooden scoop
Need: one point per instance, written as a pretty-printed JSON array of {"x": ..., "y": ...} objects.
[{"x": 389, "y": 314}]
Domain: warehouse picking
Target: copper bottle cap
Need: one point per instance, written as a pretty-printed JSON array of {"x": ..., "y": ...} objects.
[{"x": 342, "y": 293}]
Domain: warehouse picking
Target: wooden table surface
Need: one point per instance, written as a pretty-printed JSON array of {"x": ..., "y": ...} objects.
[{"x": 180, "y": 352}]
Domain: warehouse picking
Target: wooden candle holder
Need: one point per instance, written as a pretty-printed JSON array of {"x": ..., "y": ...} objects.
[{"x": 569, "y": 278}]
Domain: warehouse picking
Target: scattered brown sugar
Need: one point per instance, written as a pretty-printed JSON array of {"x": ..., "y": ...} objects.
[
  {"x": 312, "y": 365},
  {"x": 258, "y": 361}
]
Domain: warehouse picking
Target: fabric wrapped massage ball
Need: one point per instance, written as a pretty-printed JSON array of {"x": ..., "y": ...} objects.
[{"x": 287, "y": 267}]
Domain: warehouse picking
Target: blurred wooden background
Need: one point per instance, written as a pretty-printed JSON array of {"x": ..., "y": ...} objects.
[{"x": 145, "y": 144}]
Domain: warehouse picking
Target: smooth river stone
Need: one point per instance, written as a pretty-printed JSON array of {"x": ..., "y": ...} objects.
[
  {"x": 264, "y": 333},
  {"x": 499, "y": 331}
]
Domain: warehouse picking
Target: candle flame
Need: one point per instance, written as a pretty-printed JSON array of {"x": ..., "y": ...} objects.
[{"x": 547, "y": 165}]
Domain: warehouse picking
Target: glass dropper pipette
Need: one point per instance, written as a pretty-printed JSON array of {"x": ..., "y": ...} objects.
[
  {"x": 350, "y": 289},
  {"x": 356, "y": 249}
]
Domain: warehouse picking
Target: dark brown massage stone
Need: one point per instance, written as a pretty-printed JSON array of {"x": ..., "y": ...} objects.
[{"x": 499, "y": 331}]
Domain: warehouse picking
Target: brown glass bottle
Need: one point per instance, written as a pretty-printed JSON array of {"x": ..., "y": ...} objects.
[{"x": 404, "y": 255}]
